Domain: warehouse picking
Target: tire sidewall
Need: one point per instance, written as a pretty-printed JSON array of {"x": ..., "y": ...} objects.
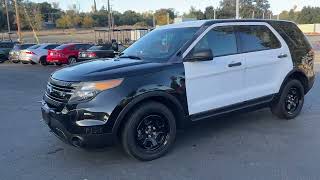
[{"x": 130, "y": 131}]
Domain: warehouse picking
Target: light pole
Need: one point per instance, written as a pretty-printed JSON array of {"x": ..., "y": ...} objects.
[
  {"x": 214, "y": 13},
  {"x": 237, "y": 9},
  {"x": 8, "y": 20}
]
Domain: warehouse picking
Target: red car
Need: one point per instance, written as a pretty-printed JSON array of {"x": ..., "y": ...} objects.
[{"x": 66, "y": 53}]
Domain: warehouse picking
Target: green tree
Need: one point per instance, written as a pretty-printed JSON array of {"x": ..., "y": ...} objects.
[
  {"x": 130, "y": 18},
  {"x": 309, "y": 15},
  {"x": 194, "y": 13}
]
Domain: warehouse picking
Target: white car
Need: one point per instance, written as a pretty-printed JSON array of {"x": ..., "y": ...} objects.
[{"x": 36, "y": 54}]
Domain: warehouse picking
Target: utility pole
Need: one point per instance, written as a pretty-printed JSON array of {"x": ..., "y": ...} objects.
[
  {"x": 237, "y": 9},
  {"x": 8, "y": 20},
  {"x": 18, "y": 20},
  {"x": 214, "y": 13},
  {"x": 109, "y": 15},
  {"x": 253, "y": 14}
]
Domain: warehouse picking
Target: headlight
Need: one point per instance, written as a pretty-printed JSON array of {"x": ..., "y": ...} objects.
[{"x": 88, "y": 90}]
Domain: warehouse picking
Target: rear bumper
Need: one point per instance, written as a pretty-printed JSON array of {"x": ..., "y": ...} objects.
[{"x": 78, "y": 135}]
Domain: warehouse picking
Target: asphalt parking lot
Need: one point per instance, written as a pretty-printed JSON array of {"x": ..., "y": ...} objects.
[{"x": 249, "y": 146}]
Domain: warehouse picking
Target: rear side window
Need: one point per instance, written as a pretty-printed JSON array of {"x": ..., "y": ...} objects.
[
  {"x": 256, "y": 38},
  {"x": 294, "y": 36},
  {"x": 221, "y": 40}
]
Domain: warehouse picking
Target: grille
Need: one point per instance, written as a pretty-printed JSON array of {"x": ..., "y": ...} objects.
[{"x": 58, "y": 93}]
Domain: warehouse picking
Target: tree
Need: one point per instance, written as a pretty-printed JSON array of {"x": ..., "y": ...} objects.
[
  {"x": 130, "y": 18},
  {"x": 194, "y": 13},
  {"x": 64, "y": 22},
  {"x": 87, "y": 22},
  {"x": 309, "y": 15},
  {"x": 227, "y": 9},
  {"x": 209, "y": 12}
]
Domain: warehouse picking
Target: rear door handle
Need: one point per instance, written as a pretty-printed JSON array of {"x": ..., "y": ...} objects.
[
  {"x": 235, "y": 64},
  {"x": 282, "y": 56}
]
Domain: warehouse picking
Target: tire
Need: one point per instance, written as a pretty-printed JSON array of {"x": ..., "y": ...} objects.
[
  {"x": 25, "y": 62},
  {"x": 43, "y": 61},
  {"x": 147, "y": 141},
  {"x": 72, "y": 60},
  {"x": 33, "y": 63},
  {"x": 289, "y": 103}
]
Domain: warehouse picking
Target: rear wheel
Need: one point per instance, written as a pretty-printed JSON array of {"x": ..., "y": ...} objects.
[
  {"x": 290, "y": 102},
  {"x": 149, "y": 132},
  {"x": 33, "y": 63},
  {"x": 25, "y": 62},
  {"x": 43, "y": 61},
  {"x": 72, "y": 60}
]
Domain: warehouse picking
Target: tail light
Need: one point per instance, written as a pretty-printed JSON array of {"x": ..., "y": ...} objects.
[{"x": 92, "y": 55}]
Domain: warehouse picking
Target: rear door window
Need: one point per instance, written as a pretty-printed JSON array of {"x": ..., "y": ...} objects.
[
  {"x": 294, "y": 35},
  {"x": 256, "y": 38},
  {"x": 221, "y": 40}
]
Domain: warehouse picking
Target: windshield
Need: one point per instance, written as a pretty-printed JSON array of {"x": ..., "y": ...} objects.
[{"x": 160, "y": 45}]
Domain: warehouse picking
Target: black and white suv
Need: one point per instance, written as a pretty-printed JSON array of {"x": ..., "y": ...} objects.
[{"x": 177, "y": 74}]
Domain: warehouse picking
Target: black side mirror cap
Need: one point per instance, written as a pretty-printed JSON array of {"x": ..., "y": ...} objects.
[{"x": 199, "y": 55}]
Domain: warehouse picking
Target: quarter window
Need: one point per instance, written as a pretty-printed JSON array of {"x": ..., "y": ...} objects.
[
  {"x": 257, "y": 38},
  {"x": 221, "y": 40}
]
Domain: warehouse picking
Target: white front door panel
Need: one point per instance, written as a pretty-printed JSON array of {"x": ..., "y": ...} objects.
[{"x": 213, "y": 84}]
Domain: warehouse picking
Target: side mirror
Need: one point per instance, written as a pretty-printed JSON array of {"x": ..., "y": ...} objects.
[{"x": 199, "y": 55}]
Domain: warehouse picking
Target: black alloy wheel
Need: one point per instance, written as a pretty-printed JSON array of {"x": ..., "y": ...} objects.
[
  {"x": 288, "y": 104},
  {"x": 293, "y": 100},
  {"x": 149, "y": 131},
  {"x": 152, "y": 132}
]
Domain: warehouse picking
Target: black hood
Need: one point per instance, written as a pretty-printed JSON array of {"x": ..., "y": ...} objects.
[{"x": 105, "y": 69}]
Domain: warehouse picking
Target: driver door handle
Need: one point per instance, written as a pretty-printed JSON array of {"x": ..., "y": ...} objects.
[{"x": 235, "y": 64}]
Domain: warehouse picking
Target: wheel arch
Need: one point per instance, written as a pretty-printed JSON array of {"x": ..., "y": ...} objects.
[
  {"x": 299, "y": 75},
  {"x": 158, "y": 96}
]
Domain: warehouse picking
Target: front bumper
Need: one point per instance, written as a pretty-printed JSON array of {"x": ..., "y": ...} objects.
[{"x": 84, "y": 135}]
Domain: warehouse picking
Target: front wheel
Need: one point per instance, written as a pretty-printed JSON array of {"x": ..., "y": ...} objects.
[
  {"x": 290, "y": 102},
  {"x": 149, "y": 132}
]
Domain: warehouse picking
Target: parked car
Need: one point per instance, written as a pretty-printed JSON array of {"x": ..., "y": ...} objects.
[
  {"x": 179, "y": 74},
  {"x": 5, "y": 48},
  {"x": 66, "y": 53},
  {"x": 101, "y": 51},
  {"x": 36, "y": 54},
  {"x": 15, "y": 52}
]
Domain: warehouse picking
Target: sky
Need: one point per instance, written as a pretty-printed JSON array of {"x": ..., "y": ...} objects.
[{"x": 179, "y": 5}]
